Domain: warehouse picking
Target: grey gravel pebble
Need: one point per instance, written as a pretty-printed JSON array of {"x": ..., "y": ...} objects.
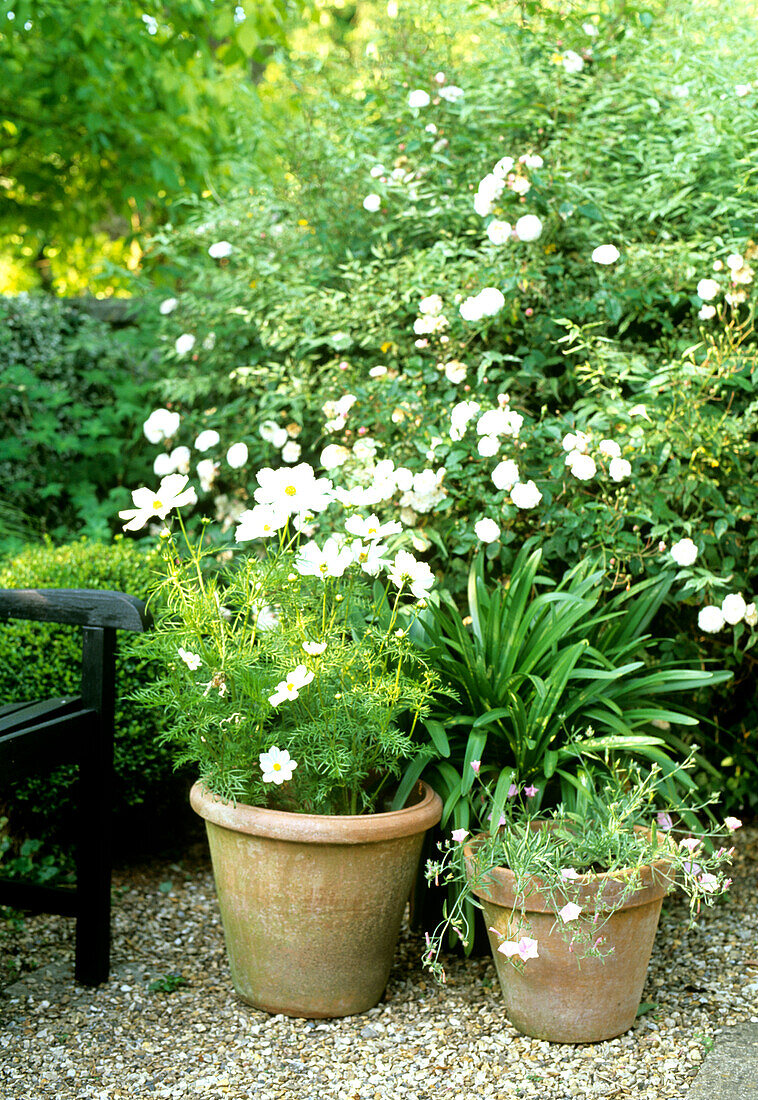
[{"x": 191, "y": 1037}]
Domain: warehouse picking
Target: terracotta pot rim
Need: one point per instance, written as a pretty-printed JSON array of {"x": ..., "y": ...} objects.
[
  {"x": 318, "y": 828},
  {"x": 500, "y": 888}
]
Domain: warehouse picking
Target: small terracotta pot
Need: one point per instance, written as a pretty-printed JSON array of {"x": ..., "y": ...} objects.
[
  {"x": 312, "y": 905},
  {"x": 562, "y": 996}
]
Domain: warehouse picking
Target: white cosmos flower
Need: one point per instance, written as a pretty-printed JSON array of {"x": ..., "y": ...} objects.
[
  {"x": 372, "y": 203},
  {"x": 419, "y": 98},
  {"x": 607, "y": 447},
  {"x": 505, "y": 475},
  {"x": 293, "y": 489},
  {"x": 710, "y": 619},
  {"x": 314, "y": 649},
  {"x": 583, "y": 466},
  {"x": 149, "y": 505},
  {"x": 207, "y": 470},
  {"x": 572, "y": 61},
  {"x": 707, "y": 289},
  {"x": 220, "y": 250},
  {"x": 291, "y": 451},
  {"x": 486, "y": 530},
  {"x": 163, "y": 466},
  {"x": 237, "y": 454},
  {"x": 161, "y": 424},
  {"x": 528, "y": 228},
  {"x": 168, "y": 305},
  {"x": 191, "y": 660},
  {"x": 273, "y": 433},
  {"x": 684, "y": 552},
  {"x": 499, "y": 232},
  {"x": 525, "y": 495},
  {"x": 332, "y": 561},
  {"x": 289, "y": 689},
  {"x": 176, "y": 462},
  {"x": 371, "y": 556},
  {"x": 277, "y": 766},
  {"x": 260, "y": 522},
  {"x": 619, "y": 468},
  {"x": 184, "y": 343},
  {"x": 406, "y": 570},
  {"x": 605, "y": 254},
  {"x": 733, "y": 608},
  {"x": 207, "y": 439},
  {"x": 371, "y": 527}
]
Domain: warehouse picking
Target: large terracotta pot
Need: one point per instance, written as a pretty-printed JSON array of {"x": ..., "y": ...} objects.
[
  {"x": 311, "y": 905},
  {"x": 563, "y": 996}
]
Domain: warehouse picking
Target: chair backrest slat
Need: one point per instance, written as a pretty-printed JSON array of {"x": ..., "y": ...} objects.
[{"x": 74, "y": 606}]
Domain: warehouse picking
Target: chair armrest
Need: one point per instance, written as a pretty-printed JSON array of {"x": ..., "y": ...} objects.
[{"x": 75, "y": 606}]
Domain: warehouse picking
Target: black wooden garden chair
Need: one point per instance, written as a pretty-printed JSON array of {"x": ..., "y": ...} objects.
[{"x": 76, "y": 729}]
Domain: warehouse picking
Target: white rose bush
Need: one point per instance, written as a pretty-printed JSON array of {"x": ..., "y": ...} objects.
[{"x": 463, "y": 339}]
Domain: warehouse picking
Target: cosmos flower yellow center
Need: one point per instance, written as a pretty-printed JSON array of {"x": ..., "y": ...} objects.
[{"x": 291, "y": 491}]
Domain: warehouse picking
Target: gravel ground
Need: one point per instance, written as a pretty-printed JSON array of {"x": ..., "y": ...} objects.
[{"x": 191, "y": 1036}]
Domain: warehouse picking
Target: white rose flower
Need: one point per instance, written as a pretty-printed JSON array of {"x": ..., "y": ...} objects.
[
  {"x": 372, "y": 203},
  {"x": 220, "y": 250},
  {"x": 706, "y": 312},
  {"x": 191, "y": 660},
  {"x": 525, "y": 495},
  {"x": 377, "y": 372},
  {"x": 520, "y": 186},
  {"x": 403, "y": 478},
  {"x": 488, "y": 446},
  {"x": 163, "y": 466},
  {"x": 505, "y": 475},
  {"x": 236, "y": 456},
  {"x": 610, "y": 448},
  {"x": 583, "y": 466},
  {"x": 503, "y": 167},
  {"x": 470, "y": 309},
  {"x": 528, "y": 228},
  {"x": 707, "y": 289},
  {"x": 741, "y": 90},
  {"x": 733, "y": 608},
  {"x": 572, "y": 61},
  {"x": 590, "y": 29},
  {"x": 291, "y": 451},
  {"x": 184, "y": 343},
  {"x": 207, "y": 439},
  {"x": 499, "y": 232},
  {"x": 455, "y": 371},
  {"x": 432, "y": 303},
  {"x": 684, "y": 552},
  {"x": 378, "y": 170},
  {"x": 576, "y": 441},
  {"x": 491, "y": 301},
  {"x": 161, "y": 424},
  {"x": 273, "y": 433},
  {"x": 751, "y": 615},
  {"x": 734, "y": 261},
  {"x": 619, "y": 468},
  {"x": 487, "y": 530},
  {"x": 168, "y": 305},
  {"x": 533, "y": 160},
  {"x": 333, "y": 456},
  {"x": 710, "y": 619},
  {"x": 605, "y": 254},
  {"x": 206, "y": 471},
  {"x": 180, "y": 459},
  {"x": 451, "y": 93},
  {"x": 419, "y": 98}
]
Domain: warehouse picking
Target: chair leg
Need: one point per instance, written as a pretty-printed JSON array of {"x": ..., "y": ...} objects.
[{"x": 94, "y": 856}]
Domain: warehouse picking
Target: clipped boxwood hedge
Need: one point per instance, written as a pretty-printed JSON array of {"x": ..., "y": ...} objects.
[{"x": 41, "y": 660}]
